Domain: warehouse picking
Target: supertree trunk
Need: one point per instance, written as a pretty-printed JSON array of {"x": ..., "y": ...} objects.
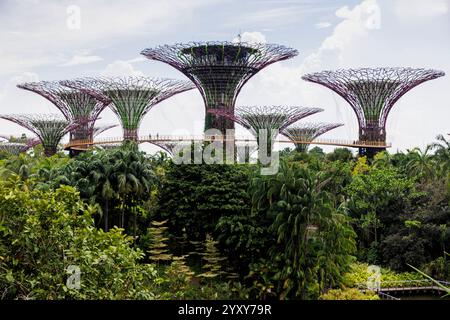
[
  {"x": 50, "y": 150},
  {"x": 130, "y": 135}
]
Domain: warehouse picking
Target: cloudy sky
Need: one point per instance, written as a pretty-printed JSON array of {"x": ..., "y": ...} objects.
[{"x": 45, "y": 40}]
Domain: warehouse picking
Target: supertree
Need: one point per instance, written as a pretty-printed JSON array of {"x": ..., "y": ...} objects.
[
  {"x": 23, "y": 139},
  {"x": 100, "y": 129},
  {"x": 130, "y": 98},
  {"x": 270, "y": 118},
  {"x": 302, "y": 134},
  {"x": 13, "y": 147},
  {"x": 75, "y": 105},
  {"x": 372, "y": 93},
  {"x": 49, "y": 128},
  {"x": 171, "y": 146},
  {"x": 219, "y": 70}
]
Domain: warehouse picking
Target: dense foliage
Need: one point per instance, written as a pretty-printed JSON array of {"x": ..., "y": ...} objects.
[{"x": 141, "y": 227}]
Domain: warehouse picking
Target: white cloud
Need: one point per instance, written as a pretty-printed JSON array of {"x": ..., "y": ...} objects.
[
  {"x": 323, "y": 25},
  {"x": 9, "y": 88},
  {"x": 120, "y": 68},
  {"x": 356, "y": 25},
  {"x": 15, "y": 100},
  {"x": 282, "y": 84},
  {"x": 137, "y": 59},
  {"x": 79, "y": 59},
  {"x": 37, "y": 34},
  {"x": 420, "y": 9},
  {"x": 280, "y": 16},
  {"x": 251, "y": 37}
]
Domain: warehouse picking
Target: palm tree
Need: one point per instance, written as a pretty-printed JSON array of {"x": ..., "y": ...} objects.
[
  {"x": 382, "y": 160},
  {"x": 116, "y": 179},
  {"x": 420, "y": 164},
  {"x": 442, "y": 153},
  {"x": 133, "y": 177}
]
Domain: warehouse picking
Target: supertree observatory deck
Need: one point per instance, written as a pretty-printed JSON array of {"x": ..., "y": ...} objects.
[
  {"x": 130, "y": 98},
  {"x": 302, "y": 134},
  {"x": 219, "y": 70},
  {"x": 372, "y": 92}
]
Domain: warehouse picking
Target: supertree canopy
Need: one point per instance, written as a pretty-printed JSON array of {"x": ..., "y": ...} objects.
[
  {"x": 75, "y": 105},
  {"x": 50, "y": 128},
  {"x": 270, "y": 118},
  {"x": 219, "y": 70},
  {"x": 13, "y": 147},
  {"x": 130, "y": 98},
  {"x": 372, "y": 93},
  {"x": 171, "y": 146},
  {"x": 23, "y": 139},
  {"x": 100, "y": 129},
  {"x": 302, "y": 133}
]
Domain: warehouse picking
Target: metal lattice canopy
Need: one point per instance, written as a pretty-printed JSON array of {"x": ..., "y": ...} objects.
[
  {"x": 130, "y": 98},
  {"x": 302, "y": 133},
  {"x": 271, "y": 118},
  {"x": 255, "y": 118},
  {"x": 171, "y": 146},
  {"x": 75, "y": 105},
  {"x": 49, "y": 128},
  {"x": 219, "y": 70},
  {"x": 372, "y": 92},
  {"x": 23, "y": 140},
  {"x": 13, "y": 147},
  {"x": 100, "y": 129}
]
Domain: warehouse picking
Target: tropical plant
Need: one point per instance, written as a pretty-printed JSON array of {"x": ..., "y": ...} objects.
[
  {"x": 314, "y": 241},
  {"x": 44, "y": 236},
  {"x": 158, "y": 250}
]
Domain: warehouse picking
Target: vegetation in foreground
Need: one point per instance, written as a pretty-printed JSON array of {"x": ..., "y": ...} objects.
[{"x": 141, "y": 227}]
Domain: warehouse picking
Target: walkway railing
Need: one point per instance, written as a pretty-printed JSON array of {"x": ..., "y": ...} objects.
[
  {"x": 81, "y": 144},
  {"x": 386, "y": 287},
  {"x": 405, "y": 284}
]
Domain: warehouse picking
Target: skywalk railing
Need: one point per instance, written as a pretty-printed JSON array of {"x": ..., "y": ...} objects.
[{"x": 210, "y": 138}]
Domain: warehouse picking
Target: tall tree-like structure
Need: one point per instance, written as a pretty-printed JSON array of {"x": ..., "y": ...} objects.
[
  {"x": 171, "y": 147},
  {"x": 270, "y": 118},
  {"x": 372, "y": 93},
  {"x": 13, "y": 147},
  {"x": 75, "y": 105},
  {"x": 49, "y": 128},
  {"x": 23, "y": 139},
  {"x": 100, "y": 129},
  {"x": 219, "y": 70},
  {"x": 302, "y": 134},
  {"x": 130, "y": 98}
]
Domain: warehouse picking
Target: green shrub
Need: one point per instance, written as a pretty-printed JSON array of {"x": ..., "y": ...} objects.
[
  {"x": 43, "y": 233},
  {"x": 349, "y": 294}
]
